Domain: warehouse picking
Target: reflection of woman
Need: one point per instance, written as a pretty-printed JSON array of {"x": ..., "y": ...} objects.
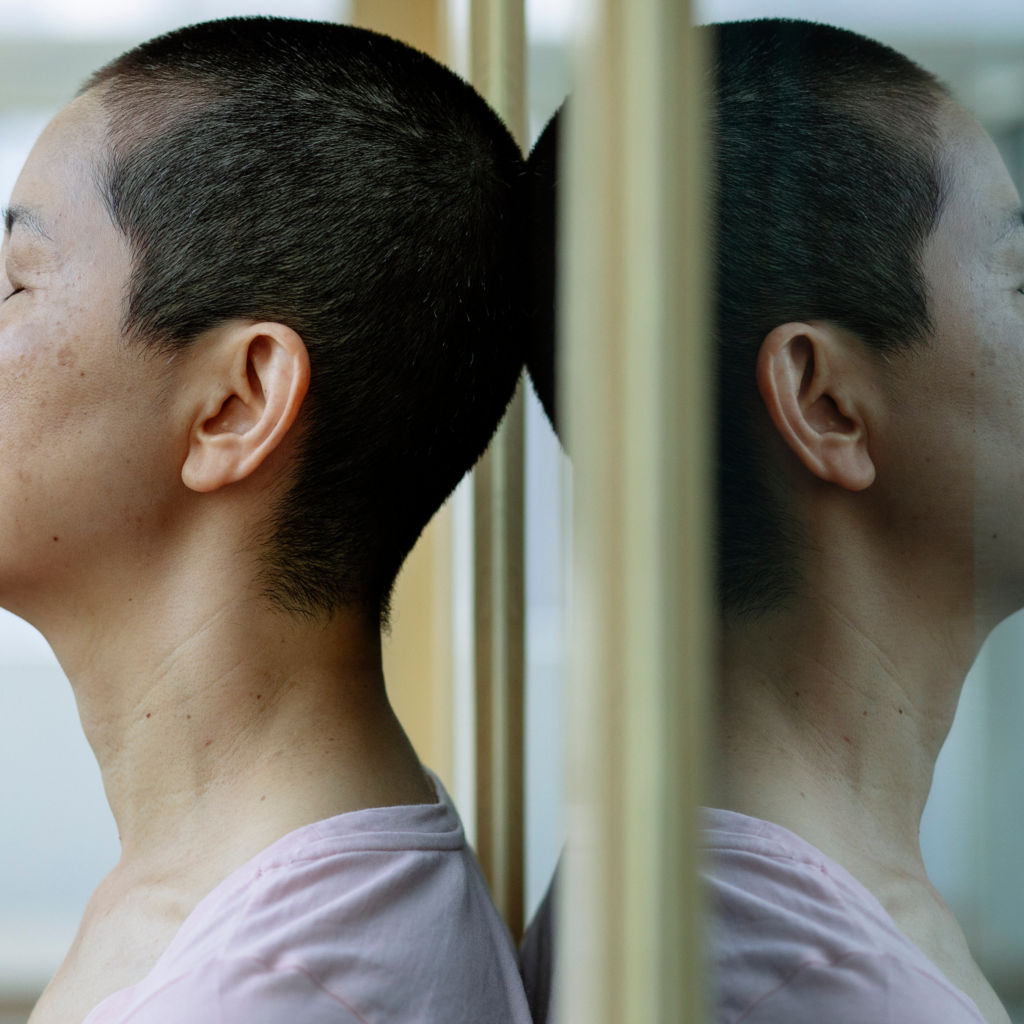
[
  {"x": 870, "y": 310},
  {"x": 870, "y": 261}
]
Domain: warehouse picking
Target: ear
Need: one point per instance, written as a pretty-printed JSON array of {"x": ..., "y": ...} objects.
[
  {"x": 254, "y": 378},
  {"x": 812, "y": 385}
]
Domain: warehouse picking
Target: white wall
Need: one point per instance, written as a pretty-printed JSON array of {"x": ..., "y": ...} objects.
[
  {"x": 972, "y": 833},
  {"x": 140, "y": 19},
  {"x": 58, "y": 836}
]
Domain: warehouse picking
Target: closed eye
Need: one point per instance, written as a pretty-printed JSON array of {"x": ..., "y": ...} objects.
[{"x": 16, "y": 290}]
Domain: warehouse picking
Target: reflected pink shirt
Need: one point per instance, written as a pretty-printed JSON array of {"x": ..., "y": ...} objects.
[
  {"x": 798, "y": 940},
  {"x": 375, "y": 916}
]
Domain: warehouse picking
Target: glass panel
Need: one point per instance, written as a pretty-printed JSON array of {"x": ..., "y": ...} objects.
[{"x": 973, "y": 825}]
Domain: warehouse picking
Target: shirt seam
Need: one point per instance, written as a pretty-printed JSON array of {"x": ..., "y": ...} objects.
[
  {"x": 781, "y": 855},
  {"x": 840, "y": 883},
  {"x": 312, "y": 858}
]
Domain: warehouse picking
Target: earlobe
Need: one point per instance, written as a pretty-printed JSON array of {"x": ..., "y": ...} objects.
[
  {"x": 252, "y": 384},
  {"x": 809, "y": 383}
]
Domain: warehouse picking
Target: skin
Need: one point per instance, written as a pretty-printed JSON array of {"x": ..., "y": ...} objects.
[
  {"x": 906, "y": 472},
  {"x": 132, "y": 492}
]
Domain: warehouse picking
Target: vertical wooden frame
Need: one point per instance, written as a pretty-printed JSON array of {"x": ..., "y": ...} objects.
[
  {"x": 638, "y": 385},
  {"x": 420, "y": 23},
  {"x": 499, "y": 664},
  {"x": 497, "y": 59},
  {"x": 497, "y": 31}
]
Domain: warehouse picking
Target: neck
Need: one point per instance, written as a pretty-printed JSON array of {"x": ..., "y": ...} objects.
[
  {"x": 835, "y": 708},
  {"x": 221, "y": 723}
]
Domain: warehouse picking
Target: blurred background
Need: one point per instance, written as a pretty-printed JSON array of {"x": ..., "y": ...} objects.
[{"x": 57, "y": 838}]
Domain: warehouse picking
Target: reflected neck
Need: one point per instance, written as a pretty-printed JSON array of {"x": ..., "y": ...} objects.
[{"x": 833, "y": 713}]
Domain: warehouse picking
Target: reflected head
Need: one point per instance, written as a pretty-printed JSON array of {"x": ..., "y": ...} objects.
[
  {"x": 828, "y": 183},
  {"x": 339, "y": 183}
]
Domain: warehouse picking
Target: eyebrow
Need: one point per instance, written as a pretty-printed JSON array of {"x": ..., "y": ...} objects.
[{"x": 26, "y": 216}]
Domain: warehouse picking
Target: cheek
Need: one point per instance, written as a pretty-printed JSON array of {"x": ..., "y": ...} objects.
[
  {"x": 49, "y": 391},
  {"x": 999, "y": 463},
  {"x": 999, "y": 384},
  {"x": 80, "y": 436},
  {"x": 925, "y": 456},
  {"x": 999, "y": 395}
]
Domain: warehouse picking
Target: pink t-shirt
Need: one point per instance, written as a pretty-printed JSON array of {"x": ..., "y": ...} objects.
[
  {"x": 379, "y": 916},
  {"x": 798, "y": 940}
]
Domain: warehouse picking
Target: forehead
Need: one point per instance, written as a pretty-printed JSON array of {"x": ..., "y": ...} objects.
[
  {"x": 982, "y": 208},
  {"x": 57, "y": 195},
  {"x": 57, "y": 216}
]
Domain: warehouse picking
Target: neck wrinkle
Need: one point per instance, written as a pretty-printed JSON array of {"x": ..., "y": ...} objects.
[
  {"x": 834, "y": 710},
  {"x": 220, "y": 722}
]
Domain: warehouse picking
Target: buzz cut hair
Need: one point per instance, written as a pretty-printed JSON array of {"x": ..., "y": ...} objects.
[{"x": 353, "y": 189}]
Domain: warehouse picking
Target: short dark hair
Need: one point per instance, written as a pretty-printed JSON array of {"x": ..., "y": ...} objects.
[
  {"x": 542, "y": 169},
  {"x": 827, "y": 182},
  {"x": 339, "y": 182}
]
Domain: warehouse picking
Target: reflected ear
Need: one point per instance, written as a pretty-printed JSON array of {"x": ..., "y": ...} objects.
[
  {"x": 812, "y": 388},
  {"x": 254, "y": 379}
]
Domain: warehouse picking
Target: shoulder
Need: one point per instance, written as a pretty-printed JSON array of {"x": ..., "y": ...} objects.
[
  {"x": 381, "y": 924},
  {"x": 771, "y": 890},
  {"x": 797, "y": 938},
  {"x": 405, "y": 899},
  {"x": 860, "y": 988},
  {"x": 382, "y": 916}
]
